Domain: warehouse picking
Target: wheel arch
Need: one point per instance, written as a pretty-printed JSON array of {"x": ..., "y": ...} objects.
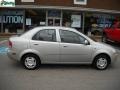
[
  {"x": 29, "y": 51},
  {"x": 108, "y": 56}
]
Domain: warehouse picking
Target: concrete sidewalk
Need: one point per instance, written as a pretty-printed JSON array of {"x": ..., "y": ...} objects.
[{"x": 4, "y": 43}]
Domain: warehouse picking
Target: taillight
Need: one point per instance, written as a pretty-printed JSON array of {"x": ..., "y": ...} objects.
[{"x": 10, "y": 44}]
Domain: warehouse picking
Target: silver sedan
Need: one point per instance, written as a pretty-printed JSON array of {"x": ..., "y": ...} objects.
[{"x": 59, "y": 45}]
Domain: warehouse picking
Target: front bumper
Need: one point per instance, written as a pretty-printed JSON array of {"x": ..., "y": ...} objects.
[{"x": 114, "y": 57}]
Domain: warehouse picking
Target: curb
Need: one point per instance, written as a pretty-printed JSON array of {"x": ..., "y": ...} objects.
[{"x": 3, "y": 42}]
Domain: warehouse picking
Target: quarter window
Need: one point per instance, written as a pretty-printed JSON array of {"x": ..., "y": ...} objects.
[
  {"x": 45, "y": 35},
  {"x": 71, "y": 37}
]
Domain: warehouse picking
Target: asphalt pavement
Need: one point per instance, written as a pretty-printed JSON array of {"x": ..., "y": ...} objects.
[{"x": 57, "y": 77}]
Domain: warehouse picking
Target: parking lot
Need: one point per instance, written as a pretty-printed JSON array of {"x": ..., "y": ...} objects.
[{"x": 57, "y": 77}]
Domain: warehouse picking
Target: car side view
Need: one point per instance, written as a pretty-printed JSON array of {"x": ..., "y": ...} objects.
[{"x": 59, "y": 45}]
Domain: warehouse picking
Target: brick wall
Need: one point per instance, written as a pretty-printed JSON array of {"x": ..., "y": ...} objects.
[{"x": 99, "y": 4}]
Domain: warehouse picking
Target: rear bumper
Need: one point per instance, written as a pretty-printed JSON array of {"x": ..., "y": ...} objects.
[{"x": 12, "y": 55}]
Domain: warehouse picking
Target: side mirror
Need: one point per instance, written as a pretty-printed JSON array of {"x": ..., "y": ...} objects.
[{"x": 86, "y": 42}]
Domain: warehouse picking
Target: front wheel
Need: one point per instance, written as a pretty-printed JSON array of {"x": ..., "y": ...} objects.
[
  {"x": 101, "y": 62},
  {"x": 30, "y": 61}
]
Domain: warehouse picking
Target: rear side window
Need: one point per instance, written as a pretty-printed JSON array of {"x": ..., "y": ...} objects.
[{"x": 45, "y": 35}]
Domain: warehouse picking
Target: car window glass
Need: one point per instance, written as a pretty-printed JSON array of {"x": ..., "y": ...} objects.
[
  {"x": 119, "y": 25},
  {"x": 45, "y": 35},
  {"x": 71, "y": 37},
  {"x": 115, "y": 25}
]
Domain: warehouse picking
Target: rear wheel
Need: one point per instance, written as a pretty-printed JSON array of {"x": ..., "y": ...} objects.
[
  {"x": 101, "y": 62},
  {"x": 30, "y": 61}
]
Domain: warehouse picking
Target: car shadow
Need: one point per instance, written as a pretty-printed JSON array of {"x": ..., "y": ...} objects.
[
  {"x": 16, "y": 64},
  {"x": 64, "y": 66},
  {"x": 19, "y": 66}
]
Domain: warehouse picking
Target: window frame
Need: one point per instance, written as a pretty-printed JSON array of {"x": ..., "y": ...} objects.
[
  {"x": 44, "y": 40},
  {"x": 72, "y": 32},
  {"x": 80, "y": 2}
]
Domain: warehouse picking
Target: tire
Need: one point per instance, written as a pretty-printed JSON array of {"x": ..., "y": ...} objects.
[
  {"x": 30, "y": 61},
  {"x": 101, "y": 62}
]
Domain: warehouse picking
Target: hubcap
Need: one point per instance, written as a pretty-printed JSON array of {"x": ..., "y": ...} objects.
[
  {"x": 102, "y": 63},
  {"x": 30, "y": 62}
]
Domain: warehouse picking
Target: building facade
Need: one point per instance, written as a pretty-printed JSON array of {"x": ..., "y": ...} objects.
[{"x": 80, "y": 14}]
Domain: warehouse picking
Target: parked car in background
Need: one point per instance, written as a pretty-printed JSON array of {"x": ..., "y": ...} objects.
[
  {"x": 59, "y": 45},
  {"x": 112, "y": 33}
]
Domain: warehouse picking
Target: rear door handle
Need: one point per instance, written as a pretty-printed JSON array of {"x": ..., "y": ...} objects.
[
  {"x": 65, "y": 46},
  {"x": 36, "y": 44}
]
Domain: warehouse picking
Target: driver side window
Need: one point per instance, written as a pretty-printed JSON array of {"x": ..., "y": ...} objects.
[{"x": 71, "y": 37}]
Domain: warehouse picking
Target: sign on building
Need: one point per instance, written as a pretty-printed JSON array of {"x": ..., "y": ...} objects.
[
  {"x": 7, "y": 3},
  {"x": 76, "y": 21},
  {"x": 27, "y": 0},
  {"x": 82, "y": 2},
  {"x": 12, "y": 17}
]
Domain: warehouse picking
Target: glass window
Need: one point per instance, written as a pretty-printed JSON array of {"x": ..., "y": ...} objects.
[
  {"x": 34, "y": 18},
  {"x": 27, "y": 0},
  {"x": 0, "y": 23},
  {"x": 71, "y": 37},
  {"x": 83, "y": 2},
  {"x": 119, "y": 26},
  {"x": 12, "y": 21},
  {"x": 45, "y": 35},
  {"x": 54, "y": 13}
]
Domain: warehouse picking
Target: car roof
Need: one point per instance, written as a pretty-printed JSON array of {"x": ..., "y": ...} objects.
[
  {"x": 57, "y": 27},
  {"x": 31, "y": 32},
  {"x": 35, "y": 29}
]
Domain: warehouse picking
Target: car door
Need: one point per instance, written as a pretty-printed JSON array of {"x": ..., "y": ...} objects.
[
  {"x": 46, "y": 44},
  {"x": 116, "y": 33},
  {"x": 113, "y": 32},
  {"x": 73, "y": 49},
  {"x": 109, "y": 33}
]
